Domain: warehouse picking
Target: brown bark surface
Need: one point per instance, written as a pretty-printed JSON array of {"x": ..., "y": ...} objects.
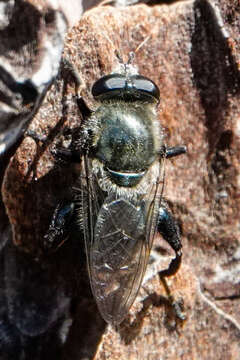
[{"x": 190, "y": 49}]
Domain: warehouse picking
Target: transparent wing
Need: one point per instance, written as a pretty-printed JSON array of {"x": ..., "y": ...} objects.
[{"x": 118, "y": 233}]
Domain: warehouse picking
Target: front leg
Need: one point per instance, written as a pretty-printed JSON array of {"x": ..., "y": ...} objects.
[
  {"x": 79, "y": 86},
  {"x": 60, "y": 227}
]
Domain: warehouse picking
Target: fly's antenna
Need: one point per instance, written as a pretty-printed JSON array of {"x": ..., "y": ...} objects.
[
  {"x": 126, "y": 67},
  {"x": 116, "y": 52},
  {"x": 142, "y": 44},
  {"x": 131, "y": 54},
  {"x": 118, "y": 56},
  {"x": 131, "y": 57}
]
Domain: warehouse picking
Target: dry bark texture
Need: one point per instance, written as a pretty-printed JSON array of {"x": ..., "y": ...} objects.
[{"x": 192, "y": 53}]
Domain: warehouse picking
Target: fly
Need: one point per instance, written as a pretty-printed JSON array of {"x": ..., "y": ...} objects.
[{"x": 118, "y": 200}]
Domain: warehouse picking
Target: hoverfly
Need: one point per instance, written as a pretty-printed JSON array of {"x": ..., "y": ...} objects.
[{"x": 118, "y": 198}]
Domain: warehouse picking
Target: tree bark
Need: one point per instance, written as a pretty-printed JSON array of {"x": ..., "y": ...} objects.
[{"x": 190, "y": 49}]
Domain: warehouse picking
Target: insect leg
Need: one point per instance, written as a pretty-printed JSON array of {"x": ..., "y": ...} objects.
[
  {"x": 168, "y": 228},
  {"x": 65, "y": 156},
  {"x": 79, "y": 85},
  {"x": 35, "y": 136},
  {"x": 83, "y": 107},
  {"x": 175, "y": 151},
  {"x": 60, "y": 226}
]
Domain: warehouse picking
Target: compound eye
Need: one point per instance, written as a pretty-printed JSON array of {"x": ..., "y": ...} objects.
[
  {"x": 108, "y": 84},
  {"x": 129, "y": 88},
  {"x": 145, "y": 86}
]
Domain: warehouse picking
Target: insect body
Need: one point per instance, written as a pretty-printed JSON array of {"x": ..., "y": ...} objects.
[{"x": 118, "y": 198}]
